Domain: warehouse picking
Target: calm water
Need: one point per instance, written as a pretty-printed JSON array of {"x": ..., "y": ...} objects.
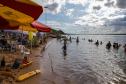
[{"x": 85, "y": 63}]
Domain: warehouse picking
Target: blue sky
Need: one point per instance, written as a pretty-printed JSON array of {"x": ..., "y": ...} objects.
[{"x": 85, "y": 16}]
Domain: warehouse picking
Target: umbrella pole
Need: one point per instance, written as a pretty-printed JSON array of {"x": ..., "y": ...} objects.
[
  {"x": 21, "y": 39},
  {"x": 2, "y": 53},
  {"x": 31, "y": 47},
  {"x": 22, "y": 36},
  {"x": 51, "y": 63}
]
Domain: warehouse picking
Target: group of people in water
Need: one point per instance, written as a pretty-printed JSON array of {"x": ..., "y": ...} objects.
[{"x": 115, "y": 45}]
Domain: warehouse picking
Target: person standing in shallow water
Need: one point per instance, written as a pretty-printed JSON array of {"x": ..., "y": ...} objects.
[
  {"x": 77, "y": 40},
  {"x": 65, "y": 50},
  {"x": 97, "y": 43},
  {"x": 64, "y": 46},
  {"x": 70, "y": 39},
  {"x": 108, "y": 45}
]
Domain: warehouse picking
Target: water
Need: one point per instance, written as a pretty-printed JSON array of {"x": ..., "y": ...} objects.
[{"x": 85, "y": 63}]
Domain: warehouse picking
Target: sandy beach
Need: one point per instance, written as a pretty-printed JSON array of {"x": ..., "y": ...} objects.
[{"x": 8, "y": 76}]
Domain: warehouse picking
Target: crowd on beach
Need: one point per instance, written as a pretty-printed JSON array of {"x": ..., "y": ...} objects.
[{"x": 15, "y": 49}]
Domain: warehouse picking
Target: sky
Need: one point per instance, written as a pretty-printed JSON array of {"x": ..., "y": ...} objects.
[{"x": 85, "y": 16}]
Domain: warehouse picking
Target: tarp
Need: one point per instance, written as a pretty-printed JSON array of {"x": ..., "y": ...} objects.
[{"x": 30, "y": 35}]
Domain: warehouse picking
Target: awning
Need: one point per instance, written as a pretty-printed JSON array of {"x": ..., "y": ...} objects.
[
  {"x": 41, "y": 27},
  {"x": 25, "y": 6}
]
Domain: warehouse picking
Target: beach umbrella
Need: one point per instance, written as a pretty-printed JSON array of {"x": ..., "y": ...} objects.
[
  {"x": 27, "y": 28},
  {"x": 41, "y": 27},
  {"x": 25, "y": 6},
  {"x": 11, "y": 19}
]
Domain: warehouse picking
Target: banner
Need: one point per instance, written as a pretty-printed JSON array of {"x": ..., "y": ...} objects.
[{"x": 30, "y": 34}]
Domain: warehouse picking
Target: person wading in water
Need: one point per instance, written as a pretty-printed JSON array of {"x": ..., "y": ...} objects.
[
  {"x": 64, "y": 46},
  {"x": 108, "y": 45},
  {"x": 77, "y": 40}
]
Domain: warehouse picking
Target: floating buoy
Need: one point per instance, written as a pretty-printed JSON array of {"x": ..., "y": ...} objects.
[{"x": 28, "y": 75}]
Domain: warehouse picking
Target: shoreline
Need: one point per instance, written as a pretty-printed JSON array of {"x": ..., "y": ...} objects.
[{"x": 35, "y": 57}]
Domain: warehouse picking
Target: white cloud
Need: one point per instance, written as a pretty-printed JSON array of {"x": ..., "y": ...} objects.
[
  {"x": 82, "y": 2},
  {"x": 96, "y": 13},
  {"x": 54, "y": 24},
  {"x": 60, "y": 4},
  {"x": 100, "y": 16},
  {"x": 69, "y": 12}
]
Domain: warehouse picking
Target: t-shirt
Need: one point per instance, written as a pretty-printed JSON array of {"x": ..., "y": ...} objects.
[{"x": 22, "y": 48}]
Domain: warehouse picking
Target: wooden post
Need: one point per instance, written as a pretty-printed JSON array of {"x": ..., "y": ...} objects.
[{"x": 51, "y": 63}]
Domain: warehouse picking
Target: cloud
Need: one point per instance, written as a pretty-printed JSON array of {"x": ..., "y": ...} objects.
[
  {"x": 54, "y": 23},
  {"x": 118, "y": 21},
  {"x": 99, "y": 0},
  {"x": 109, "y": 3},
  {"x": 55, "y": 6},
  {"x": 69, "y": 12},
  {"x": 52, "y": 7},
  {"x": 92, "y": 14},
  {"x": 82, "y": 2},
  {"x": 121, "y": 3},
  {"x": 97, "y": 7}
]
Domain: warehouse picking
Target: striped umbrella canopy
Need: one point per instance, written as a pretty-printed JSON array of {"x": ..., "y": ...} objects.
[
  {"x": 25, "y": 6},
  {"x": 4, "y": 24},
  {"x": 11, "y": 19},
  {"x": 41, "y": 27},
  {"x": 27, "y": 28}
]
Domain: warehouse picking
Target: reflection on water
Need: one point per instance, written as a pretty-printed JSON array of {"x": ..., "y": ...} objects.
[{"x": 84, "y": 63}]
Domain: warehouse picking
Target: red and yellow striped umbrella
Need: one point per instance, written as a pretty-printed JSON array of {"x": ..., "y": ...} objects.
[
  {"x": 25, "y": 6},
  {"x": 41, "y": 27},
  {"x": 10, "y": 18}
]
